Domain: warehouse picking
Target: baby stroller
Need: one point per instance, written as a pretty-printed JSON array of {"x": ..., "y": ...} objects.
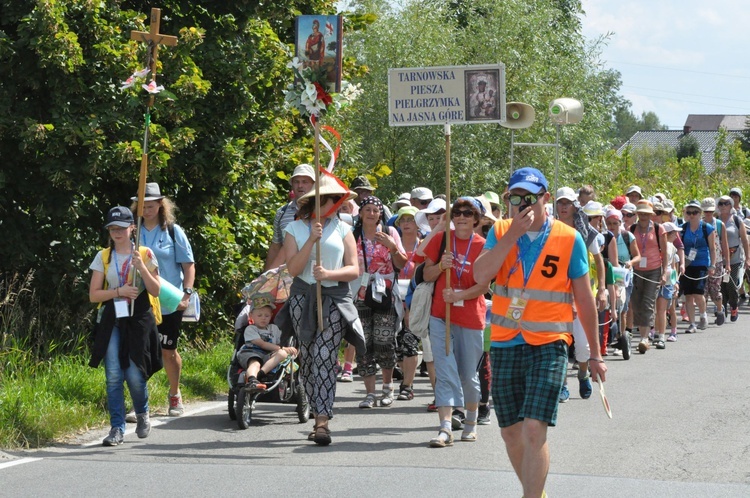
[{"x": 283, "y": 382}]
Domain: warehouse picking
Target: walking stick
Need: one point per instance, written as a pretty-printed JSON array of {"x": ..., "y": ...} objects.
[
  {"x": 448, "y": 248},
  {"x": 318, "y": 285}
]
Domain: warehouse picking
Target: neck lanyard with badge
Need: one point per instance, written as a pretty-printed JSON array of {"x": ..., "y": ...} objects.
[
  {"x": 534, "y": 249},
  {"x": 644, "y": 239},
  {"x": 121, "y": 303},
  {"x": 460, "y": 271}
]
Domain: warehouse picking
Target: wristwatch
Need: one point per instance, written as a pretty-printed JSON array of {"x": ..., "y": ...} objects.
[{"x": 188, "y": 291}]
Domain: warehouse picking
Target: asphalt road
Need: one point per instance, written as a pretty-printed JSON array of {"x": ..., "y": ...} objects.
[{"x": 680, "y": 427}]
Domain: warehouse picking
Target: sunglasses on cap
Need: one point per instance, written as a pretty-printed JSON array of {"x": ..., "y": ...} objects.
[
  {"x": 690, "y": 212},
  {"x": 528, "y": 199},
  {"x": 466, "y": 213}
]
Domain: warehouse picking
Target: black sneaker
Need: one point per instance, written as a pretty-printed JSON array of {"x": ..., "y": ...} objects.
[
  {"x": 115, "y": 437},
  {"x": 483, "y": 417},
  {"x": 457, "y": 420},
  {"x": 143, "y": 429},
  {"x": 720, "y": 318}
]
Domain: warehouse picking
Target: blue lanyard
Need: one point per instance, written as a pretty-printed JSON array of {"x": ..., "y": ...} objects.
[
  {"x": 122, "y": 273},
  {"x": 460, "y": 272},
  {"x": 644, "y": 237},
  {"x": 157, "y": 232},
  {"x": 534, "y": 248}
]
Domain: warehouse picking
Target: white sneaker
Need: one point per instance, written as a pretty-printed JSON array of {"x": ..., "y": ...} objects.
[{"x": 175, "y": 406}]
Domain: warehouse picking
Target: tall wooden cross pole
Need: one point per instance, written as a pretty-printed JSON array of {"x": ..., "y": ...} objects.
[{"x": 153, "y": 38}]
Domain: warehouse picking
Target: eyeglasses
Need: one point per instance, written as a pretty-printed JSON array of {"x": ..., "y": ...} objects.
[
  {"x": 692, "y": 213},
  {"x": 725, "y": 203},
  {"x": 628, "y": 215},
  {"x": 659, "y": 213},
  {"x": 334, "y": 198},
  {"x": 528, "y": 199},
  {"x": 466, "y": 213}
]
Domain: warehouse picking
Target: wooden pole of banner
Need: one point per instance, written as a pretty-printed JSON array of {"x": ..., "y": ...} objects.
[
  {"x": 153, "y": 38},
  {"x": 448, "y": 247},
  {"x": 318, "y": 285}
]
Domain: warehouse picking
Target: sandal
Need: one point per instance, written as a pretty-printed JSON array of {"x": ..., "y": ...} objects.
[
  {"x": 369, "y": 402},
  {"x": 469, "y": 433},
  {"x": 322, "y": 435},
  {"x": 439, "y": 442}
]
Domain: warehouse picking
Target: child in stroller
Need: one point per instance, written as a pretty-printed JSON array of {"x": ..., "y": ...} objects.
[
  {"x": 258, "y": 353},
  {"x": 262, "y": 350}
]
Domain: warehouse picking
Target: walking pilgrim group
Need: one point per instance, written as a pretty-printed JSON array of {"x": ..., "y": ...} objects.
[{"x": 525, "y": 283}]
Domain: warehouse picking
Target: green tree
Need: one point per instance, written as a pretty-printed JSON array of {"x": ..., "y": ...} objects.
[
  {"x": 688, "y": 147},
  {"x": 545, "y": 57},
  {"x": 71, "y": 140}
]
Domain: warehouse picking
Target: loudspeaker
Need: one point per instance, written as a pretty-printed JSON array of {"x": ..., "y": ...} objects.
[
  {"x": 518, "y": 115},
  {"x": 565, "y": 111}
]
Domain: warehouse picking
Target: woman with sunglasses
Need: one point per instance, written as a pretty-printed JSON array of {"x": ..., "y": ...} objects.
[
  {"x": 650, "y": 273},
  {"x": 456, "y": 377},
  {"x": 698, "y": 238},
  {"x": 739, "y": 255},
  {"x": 319, "y": 345},
  {"x": 380, "y": 255}
]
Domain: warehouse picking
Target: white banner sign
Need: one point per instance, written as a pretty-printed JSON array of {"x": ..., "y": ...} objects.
[{"x": 451, "y": 94}]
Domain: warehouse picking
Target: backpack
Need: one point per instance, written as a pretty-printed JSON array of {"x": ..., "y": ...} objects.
[
  {"x": 154, "y": 300},
  {"x": 420, "y": 303}
]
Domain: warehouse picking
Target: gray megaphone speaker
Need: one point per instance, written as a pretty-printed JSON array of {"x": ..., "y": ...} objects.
[
  {"x": 518, "y": 115},
  {"x": 565, "y": 111}
]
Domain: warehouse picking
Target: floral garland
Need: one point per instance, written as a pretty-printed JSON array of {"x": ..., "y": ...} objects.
[
  {"x": 151, "y": 88},
  {"x": 308, "y": 94}
]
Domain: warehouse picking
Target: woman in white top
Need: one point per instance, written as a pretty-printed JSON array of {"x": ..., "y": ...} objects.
[{"x": 319, "y": 345}]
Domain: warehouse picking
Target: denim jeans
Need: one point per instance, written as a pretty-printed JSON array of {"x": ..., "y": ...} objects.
[{"x": 116, "y": 377}]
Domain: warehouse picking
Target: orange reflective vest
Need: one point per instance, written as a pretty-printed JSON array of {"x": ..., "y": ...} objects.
[{"x": 548, "y": 312}]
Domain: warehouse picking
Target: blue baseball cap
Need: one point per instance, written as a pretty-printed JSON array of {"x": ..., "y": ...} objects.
[{"x": 529, "y": 179}]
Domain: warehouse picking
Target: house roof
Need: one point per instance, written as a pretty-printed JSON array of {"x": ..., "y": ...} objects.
[
  {"x": 671, "y": 138},
  {"x": 712, "y": 122}
]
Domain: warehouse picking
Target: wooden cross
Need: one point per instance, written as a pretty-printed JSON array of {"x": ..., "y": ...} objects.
[{"x": 154, "y": 39}]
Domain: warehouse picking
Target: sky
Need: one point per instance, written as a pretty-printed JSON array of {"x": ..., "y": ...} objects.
[{"x": 676, "y": 57}]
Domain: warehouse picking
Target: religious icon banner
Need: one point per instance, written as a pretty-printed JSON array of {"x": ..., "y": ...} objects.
[
  {"x": 451, "y": 94},
  {"x": 318, "y": 44}
]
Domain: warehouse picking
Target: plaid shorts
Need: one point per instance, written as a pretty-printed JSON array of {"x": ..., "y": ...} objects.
[{"x": 527, "y": 380}]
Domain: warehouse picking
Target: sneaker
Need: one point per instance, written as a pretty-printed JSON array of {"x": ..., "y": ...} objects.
[
  {"x": 115, "y": 437},
  {"x": 703, "y": 323},
  {"x": 672, "y": 337},
  {"x": 369, "y": 402},
  {"x": 660, "y": 344},
  {"x": 423, "y": 370},
  {"x": 683, "y": 314},
  {"x": 564, "y": 394},
  {"x": 720, "y": 318},
  {"x": 733, "y": 316},
  {"x": 457, "y": 420},
  {"x": 175, "y": 406},
  {"x": 387, "y": 397},
  {"x": 432, "y": 407},
  {"x": 643, "y": 346},
  {"x": 130, "y": 417},
  {"x": 143, "y": 429},
  {"x": 691, "y": 329},
  {"x": 616, "y": 352},
  {"x": 651, "y": 335},
  {"x": 406, "y": 393},
  {"x": 584, "y": 387},
  {"x": 346, "y": 376},
  {"x": 484, "y": 414},
  {"x": 253, "y": 385}
]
